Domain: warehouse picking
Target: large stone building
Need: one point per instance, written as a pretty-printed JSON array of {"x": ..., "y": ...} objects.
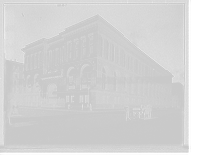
[
  {"x": 13, "y": 81},
  {"x": 92, "y": 65}
]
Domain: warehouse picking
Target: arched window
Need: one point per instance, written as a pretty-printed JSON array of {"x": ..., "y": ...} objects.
[
  {"x": 103, "y": 79},
  {"x": 115, "y": 81},
  {"x": 85, "y": 76},
  {"x": 71, "y": 76}
]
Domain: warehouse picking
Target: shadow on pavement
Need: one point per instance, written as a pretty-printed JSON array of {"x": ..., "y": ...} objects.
[{"x": 28, "y": 123}]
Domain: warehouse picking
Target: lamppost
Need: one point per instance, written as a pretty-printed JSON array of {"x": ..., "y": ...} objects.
[{"x": 88, "y": 86}]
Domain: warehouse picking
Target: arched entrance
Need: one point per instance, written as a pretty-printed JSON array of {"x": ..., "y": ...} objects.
[{"x": 52, "y": 94}]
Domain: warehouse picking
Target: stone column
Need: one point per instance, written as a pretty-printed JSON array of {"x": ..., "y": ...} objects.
[
  {"x": 65, "y": 52},
  {"x": 87, "y": 46},
  {"x": 80, "y": 48},
  {"x": 78, "y": 81},
  {"x": 73, "y": 50},
  {"x": 53, "y": 57},
  {"x": 95, "y": 43}
]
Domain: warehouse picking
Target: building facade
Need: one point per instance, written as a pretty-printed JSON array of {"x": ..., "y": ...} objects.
[
  {"x": 92, "y": 66},
  {"x": 178, "y": 98},
  {"x": 13, "y": 81}
]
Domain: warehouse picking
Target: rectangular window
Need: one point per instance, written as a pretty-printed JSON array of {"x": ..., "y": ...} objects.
[
  {"x": 76, "y": 48},
  {"x": 111, "y": 52},
  {"x": 69, "y": 49},
  {"x": 128, "y": 62},
  {"x": 124, "y": 59},
  {"x": 100, "y": 46},
  {"x": 31, "y": 62},
  {"x": 35, "y": 60},
  {"x": 136, "y": 66},
  {"x": 39, "y": 59},
  {"x": 83, "y": 46},
  {"x": 27, "y": 62},
  {"x": 56, "y": 56},
  {"x": 72, "y": 98},
  {"x": 131, "y": 64},
  {"x": 107, "y": 49},
  {"x": 81, "y": 99},
  {"x": 50, "y": 59},
  {"x": 67, "y": 99},
  {"x": 62, "y": 56},
  {"x": 116, "y": 54},
  {"x": 60, "y": 52},
  {"x": 91, "y": 44}
]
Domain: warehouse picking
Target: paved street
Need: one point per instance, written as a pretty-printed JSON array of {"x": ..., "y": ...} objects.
[{"x": 70, "y": 129}]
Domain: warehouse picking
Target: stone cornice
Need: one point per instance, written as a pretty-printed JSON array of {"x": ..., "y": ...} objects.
[
  {"x": 81, "y": 31},
  {"x": 80, "y": 25},
  {"x": 40, "y": 42},
  {"x": 55, "y": 39}
]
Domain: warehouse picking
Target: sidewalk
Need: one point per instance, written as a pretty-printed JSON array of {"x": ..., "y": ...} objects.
[{"x": 85, "y": 109}]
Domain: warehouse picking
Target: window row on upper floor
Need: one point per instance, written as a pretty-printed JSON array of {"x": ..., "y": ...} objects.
[
  {"x": 112, "y": 52},
  {"x": 33, "y": 61},
  {"x": 75, "y": 49}
]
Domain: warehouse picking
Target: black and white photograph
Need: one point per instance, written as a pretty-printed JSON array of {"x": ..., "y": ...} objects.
[{"x": 95, "y": 77}]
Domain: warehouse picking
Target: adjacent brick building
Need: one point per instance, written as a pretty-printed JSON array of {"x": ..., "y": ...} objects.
[
  {"x": 91, "y": 65},
  {"x": 13, "y": 81}
]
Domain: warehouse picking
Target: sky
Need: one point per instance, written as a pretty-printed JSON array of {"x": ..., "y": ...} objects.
[{"x": 157, "y": 29}]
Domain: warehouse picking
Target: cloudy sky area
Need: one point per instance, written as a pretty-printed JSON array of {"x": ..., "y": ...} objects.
[{"x": 156, "y": 29}]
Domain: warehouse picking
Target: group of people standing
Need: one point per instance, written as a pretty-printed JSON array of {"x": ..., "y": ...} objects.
[{"x": 145, "y": 110}]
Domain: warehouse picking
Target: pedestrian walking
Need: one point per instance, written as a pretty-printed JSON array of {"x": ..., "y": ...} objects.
[
  {"x": 127, "y": 113},
  {"x": 90, "y": 107}
]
